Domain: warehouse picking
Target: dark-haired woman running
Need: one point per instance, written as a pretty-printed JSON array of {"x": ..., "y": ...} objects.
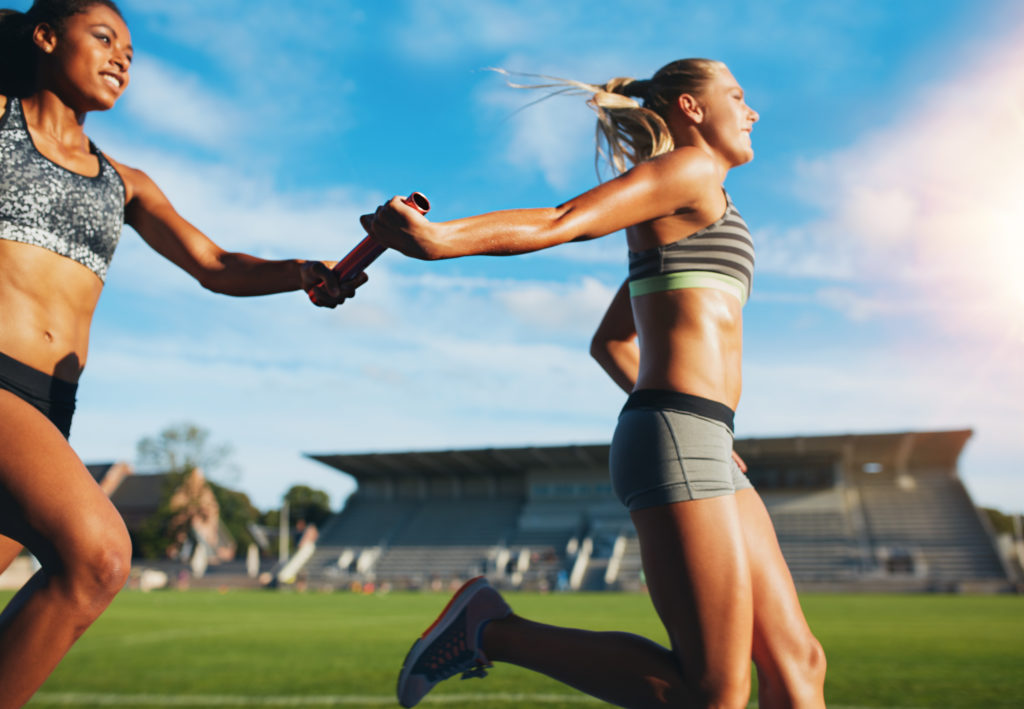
[
  {"x": 62, "y": 206},
  {"x": 716, "y": 575}
]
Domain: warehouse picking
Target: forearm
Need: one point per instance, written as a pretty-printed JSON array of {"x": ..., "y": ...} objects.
[
  {"x": 503, "y": 233},
  {"x": 620, "y": 360},
  {"x": 241, "y": 274},
  {"x": 614, "y": 343}
]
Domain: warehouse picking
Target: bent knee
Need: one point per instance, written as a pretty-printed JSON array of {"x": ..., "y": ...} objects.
[
  {"x": 795, "y": 677},
  {"x": 807, "y": 660},
  {"x": 815, "y": 663},
  {"x": 98, "y": 571},
  {"x": 108, "y": 568}
]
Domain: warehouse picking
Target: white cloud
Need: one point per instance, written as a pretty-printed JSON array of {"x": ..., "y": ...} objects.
[
  {"x": 553, "y": 136},
  {"x": 929, "y": 205},
  {"x": 251, "y": 35},
  {"x": 442, "y": 28},
  {"x": 273, "y": 65},
  {"x": 176, "y": 103},
  {"x": 886, "y": 385},
  {"x": 558, "y": 306}
]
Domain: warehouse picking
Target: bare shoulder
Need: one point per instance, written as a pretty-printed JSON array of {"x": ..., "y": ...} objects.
[
  {"x": 3, "y": 104},
  {"x": 686, "y": 164},
  {"x": 136, "y": 182},
  {"x": 685, "y": 179}
]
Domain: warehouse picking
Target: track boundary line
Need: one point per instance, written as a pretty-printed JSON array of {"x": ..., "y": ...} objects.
[
  {"x": 338, "y": 700},
  {"x": 334, "y": 700}
]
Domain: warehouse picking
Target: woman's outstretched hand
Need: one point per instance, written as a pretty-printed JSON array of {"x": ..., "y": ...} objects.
[
  {"x": 331, "y": 291},
  {"x": 403, "y": 228}
]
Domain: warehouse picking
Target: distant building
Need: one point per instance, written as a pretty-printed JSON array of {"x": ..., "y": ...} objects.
[
  {"x": 881, "y": 511},
  {"x": 196, "y": 512}
]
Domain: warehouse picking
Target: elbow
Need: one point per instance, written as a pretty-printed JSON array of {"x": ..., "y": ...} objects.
[
  {"x": 599, "y": 348},
  {"x": 218, "y": 275},
  {"x": 211, "y": 281},
  {"x": 564, "y": 226}
]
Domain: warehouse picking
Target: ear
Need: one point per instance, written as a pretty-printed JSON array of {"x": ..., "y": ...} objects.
[
  {"x": 690, "y": 107},
  {"x": 45, "y": 37}
]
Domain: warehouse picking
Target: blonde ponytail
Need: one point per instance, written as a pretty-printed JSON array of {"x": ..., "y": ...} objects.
[{"x": 629, "y": 131}]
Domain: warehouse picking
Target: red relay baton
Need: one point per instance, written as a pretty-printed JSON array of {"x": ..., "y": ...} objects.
[{"x": 367, "y": 250}]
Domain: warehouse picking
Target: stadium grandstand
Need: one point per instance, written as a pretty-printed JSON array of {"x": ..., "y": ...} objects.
[{"x": 881, "y": 511}]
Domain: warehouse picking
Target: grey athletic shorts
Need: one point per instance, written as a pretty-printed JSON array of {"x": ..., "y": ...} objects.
[{"x": 672, "y": 447}]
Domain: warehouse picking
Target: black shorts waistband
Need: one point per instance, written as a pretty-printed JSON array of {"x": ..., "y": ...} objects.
[{"x": 678, "y": 401}]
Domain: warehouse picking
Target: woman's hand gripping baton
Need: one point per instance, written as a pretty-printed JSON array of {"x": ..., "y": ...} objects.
[{"x": 366, "y": 251}]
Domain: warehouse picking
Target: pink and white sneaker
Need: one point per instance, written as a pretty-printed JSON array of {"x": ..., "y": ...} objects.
[{"x": 452, "y": 643}]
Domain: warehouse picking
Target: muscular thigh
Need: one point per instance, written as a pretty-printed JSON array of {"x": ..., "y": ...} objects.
[
  {"x": 696, "y": 566},
  {"x": 48, "y": 500},
  {"x": 780, "y": 626}
]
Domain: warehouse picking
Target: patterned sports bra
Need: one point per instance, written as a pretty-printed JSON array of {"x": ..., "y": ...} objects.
[
  {"x": 719, "y": 256},
  {"x": 46, "y": 205}
]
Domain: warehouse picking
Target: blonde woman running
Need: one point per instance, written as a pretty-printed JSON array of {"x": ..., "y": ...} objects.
[{"x": 711, "y": 558}]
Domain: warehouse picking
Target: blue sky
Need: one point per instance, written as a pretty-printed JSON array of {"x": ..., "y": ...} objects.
[{"x": 884, "y": 200}]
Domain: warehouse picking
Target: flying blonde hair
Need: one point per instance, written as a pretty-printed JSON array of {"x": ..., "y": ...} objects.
[{"x": 630, "y": 132}]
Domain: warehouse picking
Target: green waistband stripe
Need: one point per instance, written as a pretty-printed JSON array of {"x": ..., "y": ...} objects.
[{"x": 688, "y": 279}]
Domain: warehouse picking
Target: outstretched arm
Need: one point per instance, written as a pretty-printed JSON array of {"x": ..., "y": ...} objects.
[
  {"x": 151, "y": 214},
  {"x": 653, "y": 189},
  {"x": 614, "y": 342}
]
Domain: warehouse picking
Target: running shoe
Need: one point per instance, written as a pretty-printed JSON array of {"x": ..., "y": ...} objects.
[{"x": 452, "y": 643}]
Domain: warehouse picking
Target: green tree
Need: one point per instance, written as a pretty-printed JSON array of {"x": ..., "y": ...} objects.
[
  {"x": 164, "y": 526},
  {"x": 306, "y": 503},
  {"x": 1002, "y": 523},
  {"x": 180, "y": 448},
  {"x": 177, "y": 451},
  {"x": 236, "y": 512}
]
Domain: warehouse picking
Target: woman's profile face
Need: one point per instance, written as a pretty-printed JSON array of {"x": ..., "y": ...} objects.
[
  {"x": 728, "y": 120},
  {"x": 88, "y": 62}
]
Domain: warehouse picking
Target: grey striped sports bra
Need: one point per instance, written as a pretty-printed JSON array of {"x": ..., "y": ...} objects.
[
  {"x": 46, "y": 205},
  {"x": 719, "y": 256}
]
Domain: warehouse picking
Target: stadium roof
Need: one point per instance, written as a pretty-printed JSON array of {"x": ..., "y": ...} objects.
[
  {"x": 915, "y": 449},
  {"x": 485, "y": 462},
  {"x": 906, "y": 449}
]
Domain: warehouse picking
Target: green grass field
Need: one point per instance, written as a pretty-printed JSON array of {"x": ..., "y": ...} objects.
[{"x": 209, "y": 649}]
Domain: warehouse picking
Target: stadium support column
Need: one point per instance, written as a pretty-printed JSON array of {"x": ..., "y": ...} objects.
[
  {"x": 283, "y": 534},
  {"x": 904, "y": 453},
  {"x": 1018, "y": 541},
  {"x": 579, "y": 567}
]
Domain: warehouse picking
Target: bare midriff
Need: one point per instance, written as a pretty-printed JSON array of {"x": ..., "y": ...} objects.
[
  {"x": 691, "y": 341},
  {"x": 46, "y": 307}
]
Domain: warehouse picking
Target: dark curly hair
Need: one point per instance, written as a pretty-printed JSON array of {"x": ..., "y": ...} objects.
[{"x": 17, "y": 51}]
